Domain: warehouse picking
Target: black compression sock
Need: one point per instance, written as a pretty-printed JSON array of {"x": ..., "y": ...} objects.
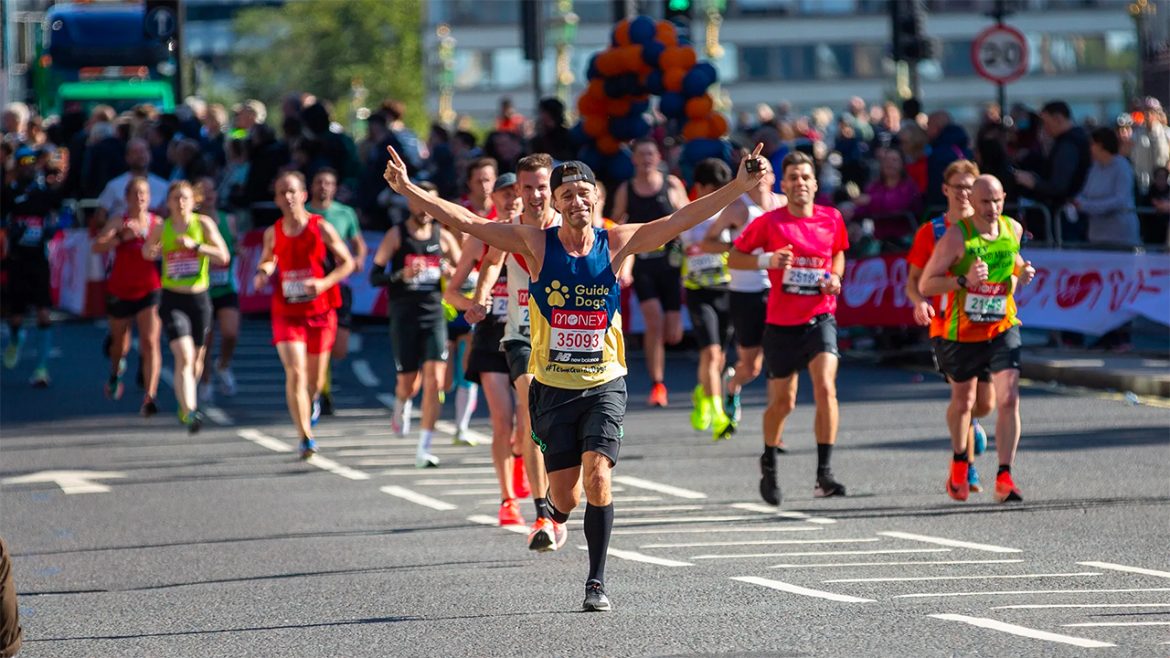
[
  {"x": 1004, "y": 468},
  {"x": 542, "y": 508},
  {"x": 555, "y": 514},
  {"x": 598, "y": 525},
  {"x": 824, "y": 452},
  {"x": 960, "y": 456},
  {"x": 770, "y": 453}
]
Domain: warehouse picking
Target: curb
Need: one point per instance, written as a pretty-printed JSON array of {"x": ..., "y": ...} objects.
[{"x": 1153, "y": 379}]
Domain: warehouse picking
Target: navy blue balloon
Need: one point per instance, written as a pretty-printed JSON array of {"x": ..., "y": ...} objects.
[
  {"x": 695, "y": 83},
  {"x": 615, "y": 87},
  {"x": 638, "y": 108},
  {"x": 630, "y": 83},
  {"x": 697, "y": 150},
  {"x": 672, "y": 105},
  {"x": 641, "y": 127},
  {"x": 621, "y": 127},
  {"x": 651, "y": 52},
  {"x": 620, "y": 166},
  {"x": 591, "y": 156},
  {"x": 591, "y": 72},
  {"x": 643, "y": 30},
  {"x": 654, "y": 83},
  {"x": 708, "y": 71}
]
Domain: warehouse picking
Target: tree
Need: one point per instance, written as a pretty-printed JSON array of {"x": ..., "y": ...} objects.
[{"x": 324, "y": 46}]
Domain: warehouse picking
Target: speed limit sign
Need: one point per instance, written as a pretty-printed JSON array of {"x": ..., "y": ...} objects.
[{"x": 1000, "y": 54}]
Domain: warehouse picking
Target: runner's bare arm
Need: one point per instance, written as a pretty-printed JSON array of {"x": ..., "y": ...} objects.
[
  {"x": 463, "y": 268},
  {"x": 343, "y": 260},
  {"x": 360, "y": 251},
  {"x": 216, "y": 250},
  {"x": 936, "y": 278},
  {"x": 267, "y": 264},
  {"x": 732, "y": 217},
  {"x": 638, "y": 238},
  {"x": 620, "y": 201},
  {"x": 152, "y": 248},
  {"x": 386, "y": 250},
  {"x": 527, "y": 241},
  {"x": 451, "y": 251},
  {"x": 108, "y": 238},
  {"x": 489, "y": 272}
]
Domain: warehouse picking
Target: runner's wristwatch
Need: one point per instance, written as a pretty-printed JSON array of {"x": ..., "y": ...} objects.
[{"x": 962, "y": 280}]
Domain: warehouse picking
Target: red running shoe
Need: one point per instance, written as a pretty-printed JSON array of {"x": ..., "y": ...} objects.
[
  {"x": 510, "y": 513},
  {"x": 1006, "y": 490},
  {"x": 957, "y": 486},
  {"x": 657, "y": 395}
]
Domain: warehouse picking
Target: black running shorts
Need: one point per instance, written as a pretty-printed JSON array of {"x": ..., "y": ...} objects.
[
  {"x": 963, "y": 361},
  {"x": 568, "y": 422},
  {"x": 710, "y": 312},
  {"x": 482, "y": 360},
  {"x": 749, "y": 312},
  {"x": 223, "y": 302},
  {"x": 790, "y": 349},
  {"x": 416, "y": 342},
  {"x": 655, "y": 278},
  {"x": 185, "y": 314},
  {"x": 28, "y": 287},
  {"x": 122, "y": 309},
  {"x": 517, "y": 353}
]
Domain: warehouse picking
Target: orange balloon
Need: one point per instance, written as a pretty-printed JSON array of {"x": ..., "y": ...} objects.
[
  {"x": 631, "y": 57},
  {"x": 596, "y": 89},
  {"x": 617, "y": 107},
  {"x": 595, "y": 125},
  {"x": 696, "y": 129},
  {"x": 666, "y": 33},
  {"x": 672, "y": 79},
  {"x": 621, "y": 32},
  {"x": 700, "y": 107},
  {"x": 608, "y": 145},
  {"x": 718, "y": 126},
  {"x": 678, "y": 57}
]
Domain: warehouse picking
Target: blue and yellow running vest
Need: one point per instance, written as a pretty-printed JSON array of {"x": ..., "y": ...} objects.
[{"x": 576, "y": 317}]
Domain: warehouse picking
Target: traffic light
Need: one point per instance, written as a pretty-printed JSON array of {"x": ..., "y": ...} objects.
[
  {"x": 910, "y": 43},
  {"x": 532, "y": 28},
  {"x": 679, "y": 12}
]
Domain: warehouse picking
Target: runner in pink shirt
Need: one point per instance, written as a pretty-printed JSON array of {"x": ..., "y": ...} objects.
[{"x": 804, "y": 253}]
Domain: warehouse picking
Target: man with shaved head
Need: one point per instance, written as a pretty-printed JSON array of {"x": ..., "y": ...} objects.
[{"x": 976, "y": 267}]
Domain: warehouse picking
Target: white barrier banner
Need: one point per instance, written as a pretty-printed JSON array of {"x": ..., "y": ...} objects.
[
  {"x": 69, "y": 257},
  {"x": 1094, "y": 292}
]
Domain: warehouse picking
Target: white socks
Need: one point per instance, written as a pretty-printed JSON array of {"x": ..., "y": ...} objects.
[
  {"x": 466, "y": 399},
  {"x": 402, "y": 409}
]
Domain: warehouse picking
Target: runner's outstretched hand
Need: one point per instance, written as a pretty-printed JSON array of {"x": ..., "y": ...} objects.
[
  {"x": 395, "y": 173},
  {"x": 750, "y": 175}
]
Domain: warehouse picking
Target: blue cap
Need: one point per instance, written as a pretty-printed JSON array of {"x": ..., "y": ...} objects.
[
  {"x": 25, "y": 152},
  {"x": 504, "y": 180}
]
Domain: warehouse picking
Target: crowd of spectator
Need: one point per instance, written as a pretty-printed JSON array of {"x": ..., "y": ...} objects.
[{"x": 1098, "y": 182}]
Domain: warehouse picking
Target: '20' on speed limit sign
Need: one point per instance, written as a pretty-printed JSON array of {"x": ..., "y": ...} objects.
[{"x": 1000, "y": 54}]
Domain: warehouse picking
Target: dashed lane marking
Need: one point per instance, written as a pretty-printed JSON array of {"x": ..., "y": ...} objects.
[
  {"x": 484, "y": 519},
  {"x": 803, "y": 591},
  {"x": 667, "y": 489},
  {"x": 418, "y": 499},
  {"x": 1122, "y": 567},
  {"x": 639, "y": 520},
  {"x": 327, "y": 464},
  {"x": 444, "y": 472},
  {"x": 1095, "y": 624},
  {"x": 635, "y": 556},
  {"x": 356, "y": 343},
  {"x": 817, "y": 553},
  {"x": 365, "y": 374},
  {"x": 1024, "y": 631},
  {"x": 761, "y": 542},
  {"x": 450, "y": 428},
  {"x": 662, "y": 508},
  {"x": 714, "y": 530},
  {"x": 265, "y": 441},
  {"x": 768, "y": 509},
  {"x": 218, "y": 416},
  {"x": 923, "y": 595},
  {"x": 983, "y": 577},
  {"x": 1044, "y": 606},
  {"x": 834, "y": 565},
  {"x": 954, "y": 543}
]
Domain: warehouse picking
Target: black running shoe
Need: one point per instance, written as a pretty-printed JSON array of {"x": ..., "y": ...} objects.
[
  {"x": 326, "y": 404},
  {"x": 769, "y": 481},
  {"x": 827, "y": 487},
  {"x": 149, "y": 407},
  {"x": 195, "y": 422},
  {"x": 595, "y": 598}
]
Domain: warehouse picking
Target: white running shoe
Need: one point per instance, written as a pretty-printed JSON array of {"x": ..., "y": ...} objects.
[
  {"x": 426, "y": 461},
  {"x": 226, "y": 381}
]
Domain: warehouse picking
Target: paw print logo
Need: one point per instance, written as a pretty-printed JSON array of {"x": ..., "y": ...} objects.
[{"x": 556, "y": 293}]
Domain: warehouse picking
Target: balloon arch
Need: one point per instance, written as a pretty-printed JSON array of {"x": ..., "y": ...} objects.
[{"x": 646, "y": 59}]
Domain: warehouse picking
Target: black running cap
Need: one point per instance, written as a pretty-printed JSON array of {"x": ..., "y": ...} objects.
[
  {"x": 504, "y": 180},
  {"x": 571, "y": 171}
]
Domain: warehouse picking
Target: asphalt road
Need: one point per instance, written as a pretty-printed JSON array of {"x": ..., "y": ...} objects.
[{"x": 225, "y": 544}]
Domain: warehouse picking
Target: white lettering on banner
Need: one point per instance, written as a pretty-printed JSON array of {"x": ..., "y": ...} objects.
[{"x": 869, "y": 281}]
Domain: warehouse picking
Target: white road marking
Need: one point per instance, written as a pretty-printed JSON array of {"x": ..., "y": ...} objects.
[
  {"x": 833, "y": 565},
  {"x": 359, "y": 413},
  {"x": 1117, "y": 623},
  {"x": 454, "y": 482},
  {"x": 387, "y": 399},
  {"x": 638, "y": 520},
  {"x": 667, "y": 489},
  {"x": 475, "y": 492},
  {"x": 915, "y": 578},
  {"x": 406, "y": 461},
  {"x": 768, "y": 509},
  {"x": 640, "y": 557},
  {"x": 263, "y": 440},
  {"x": 662, "y": 508},
  {"x": 365, "y": 374},
  {"x": 355, "y": 343},
  {"x": 71, "y": 482},
  {"x": 803, "y": 591},
  {"x": 1122, "y": 567},
  {"x": 954, "y": 543},
  {"x": 417, "y": 498},
  {"x": 450, "y": 428},
  {"x": 1042, "y": 606},
  {"x": 436, "y": 472},
  {"x": 1024, "y": 631},
  {"x": 761, "y": 542},
  {"x": 218, "y": 416},
  {"x": 484, "y": 519},
  {"x": 636, "y": 499},
  {"x": 327, "y": 464},
  {"x": 1030, "y": 591},
  {"x": 731, "y": 529},
  {"x": 813, "y": 553}
]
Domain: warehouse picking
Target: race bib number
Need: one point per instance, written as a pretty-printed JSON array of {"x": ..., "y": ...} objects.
[
  {"x": 803, "y": 281},
  {"x": 34, "y": 230},
  {"x": 292, "y": 286},
  {"x": 182, "y": 263},
  {"x": 468, "y": 287},
  {"x": 522, "y": 300},
  {"x": 500, "y": 299},
  {"x": 577, "y": 337},
  {"x": 428, "y": 277},
  {"x": 698, "y": 264},
  {"x": 988, "y": 303},
  {"x": 221, "y": 276}
]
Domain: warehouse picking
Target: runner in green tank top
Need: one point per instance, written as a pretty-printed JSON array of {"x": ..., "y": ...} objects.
[
  {"x": 225, "y": 300},
  {"x": 188, "y": 244}
]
